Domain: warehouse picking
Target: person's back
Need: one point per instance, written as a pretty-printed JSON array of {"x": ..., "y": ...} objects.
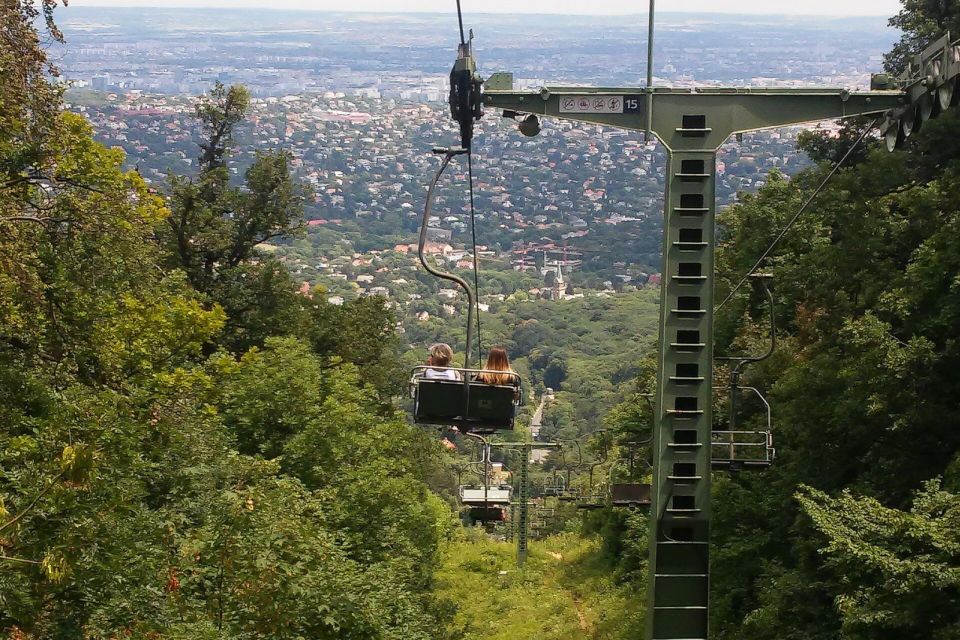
[
  {"x": 441, "y": 374},
  {"x": 439, "y": 363},
  {"x": 498, "y": 362}
]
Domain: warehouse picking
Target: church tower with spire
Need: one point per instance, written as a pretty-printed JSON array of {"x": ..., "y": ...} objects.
[{"x": 559, "y": 286}]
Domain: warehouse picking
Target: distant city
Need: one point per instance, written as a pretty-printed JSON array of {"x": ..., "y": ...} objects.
[
  {"x": 275, "y": 53},
  {"x": 357, "y": 100}
]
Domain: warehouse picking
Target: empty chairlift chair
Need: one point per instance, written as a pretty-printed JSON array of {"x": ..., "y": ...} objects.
[
  {"x": 625, "y": 491},
  {"x": 480, "y": 496},
  {"x": 486, "y": 504},
  {"x": 734, "y": 449},
  {"x": 630, "y": 495}
]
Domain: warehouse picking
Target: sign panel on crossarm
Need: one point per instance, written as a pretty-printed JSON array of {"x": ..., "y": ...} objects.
[{"x": 600, "y": 104}]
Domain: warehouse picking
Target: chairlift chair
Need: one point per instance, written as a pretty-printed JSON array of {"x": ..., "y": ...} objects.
[
  {"x": 595, "y": 497},
  {"x": 734, "y": 449},
  {"x": 486, "y": 503},
  {"x": 555, "y": 485},
  {"x": 487, "y": 514},
  {"x": 489, "y": 496},
  {"x": 740, "y": 450},
  {"x": 551, "y": 490},
  {"x": 624, "y": 491},
  {"x": 468, "y": 404},
  {"x": 591, "y": 502},
  {"x": 630, "y": 495},
  {"x": 565, "y": 491}
]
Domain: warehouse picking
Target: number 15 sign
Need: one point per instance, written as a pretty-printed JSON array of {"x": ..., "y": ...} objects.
[{"x": 599, "y": 104}]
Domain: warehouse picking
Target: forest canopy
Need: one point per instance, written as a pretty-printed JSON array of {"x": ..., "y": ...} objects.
[{"x": 190, "y": 448}]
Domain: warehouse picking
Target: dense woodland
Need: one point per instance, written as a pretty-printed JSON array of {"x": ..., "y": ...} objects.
[{"x": 189, "y": 448}]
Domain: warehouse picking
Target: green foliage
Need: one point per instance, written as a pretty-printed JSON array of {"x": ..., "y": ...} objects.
[
  {"x": 866, "y": 372},
  {"x": 920, "y": 22},
  {"x": 29, "y": 104},
  {"x": 564, "y": 591},
  {"x": 149, "y": 489},
  {"x": 361, "y": 332},
  {"x": 901, "y": 569},
  {"x": 191, "y": 449},
  {"x": 270, "y": 395},
  {"x": 219, "y": 113},
  {"x": 214, "y": 228}
]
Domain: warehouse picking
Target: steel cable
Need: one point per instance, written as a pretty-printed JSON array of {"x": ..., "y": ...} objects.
[
  {"x": 476, "y": 265},
  {"x": 799, "y": 213}
]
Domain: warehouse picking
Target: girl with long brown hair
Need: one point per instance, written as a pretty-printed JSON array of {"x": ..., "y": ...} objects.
[{"x": 497, "y": 361}]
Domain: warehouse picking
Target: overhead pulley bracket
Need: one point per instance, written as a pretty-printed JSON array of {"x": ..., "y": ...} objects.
[{"x": 466, "y": 92}]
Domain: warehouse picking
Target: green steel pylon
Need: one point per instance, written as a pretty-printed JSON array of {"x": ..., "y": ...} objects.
[
  {"x": 524, "y": 506},
  {"x": 691, "y": 125}
]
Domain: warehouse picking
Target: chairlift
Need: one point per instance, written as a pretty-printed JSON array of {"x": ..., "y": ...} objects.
[
  {"x": 735, "y": 449},
  {"x": 594, "y": 498},
  {"x": 591, "y": 502},
  {"x": 486, "y": 496},
  {"x": 486, "y": 503},
  {"x": 487, "y": 514},
  {"x": 564, "y": 487},
  {"x": 555, "y": 485},
  {"x": 628, "y": 494},
  {"x": 464, "y": 402}
]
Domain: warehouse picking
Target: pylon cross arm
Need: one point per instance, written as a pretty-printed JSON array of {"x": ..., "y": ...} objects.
[{"x": 700, "y": 119}]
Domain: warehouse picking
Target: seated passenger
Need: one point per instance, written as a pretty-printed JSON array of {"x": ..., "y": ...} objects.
[
  {"x": 439, "y": 362},
  {"x": 497, "y": 361}
]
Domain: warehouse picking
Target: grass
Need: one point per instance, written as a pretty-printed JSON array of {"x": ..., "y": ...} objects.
[{"x": 565, "y": 592}]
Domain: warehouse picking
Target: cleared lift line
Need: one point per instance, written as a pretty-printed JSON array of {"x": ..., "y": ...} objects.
[{"x": 692, "y": 124}]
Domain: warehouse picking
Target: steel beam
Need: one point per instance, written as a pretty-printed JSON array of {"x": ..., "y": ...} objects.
[
  {"x": 680, "y": 533},
  {"x": 726, "y": 110}
]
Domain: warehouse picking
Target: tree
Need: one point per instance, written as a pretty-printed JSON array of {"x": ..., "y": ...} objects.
[
  {"x": 214, "y": 228},
  {"x": 920, "y": 22},
  {"x": 901, "y": 570},
  {"x": 29, "y": 104},
  {"x": 126, "y": 508},
  {"x": 361, "y": 332},
  {"x": 219, "y": 113}
]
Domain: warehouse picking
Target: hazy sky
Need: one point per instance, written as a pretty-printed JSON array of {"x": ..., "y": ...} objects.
[{"x": 819, "y": 7}]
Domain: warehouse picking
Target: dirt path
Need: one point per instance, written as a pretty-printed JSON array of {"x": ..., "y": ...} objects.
[
  {"x": 582, "y": 618},
  {"x": 577, "y": 603}
]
